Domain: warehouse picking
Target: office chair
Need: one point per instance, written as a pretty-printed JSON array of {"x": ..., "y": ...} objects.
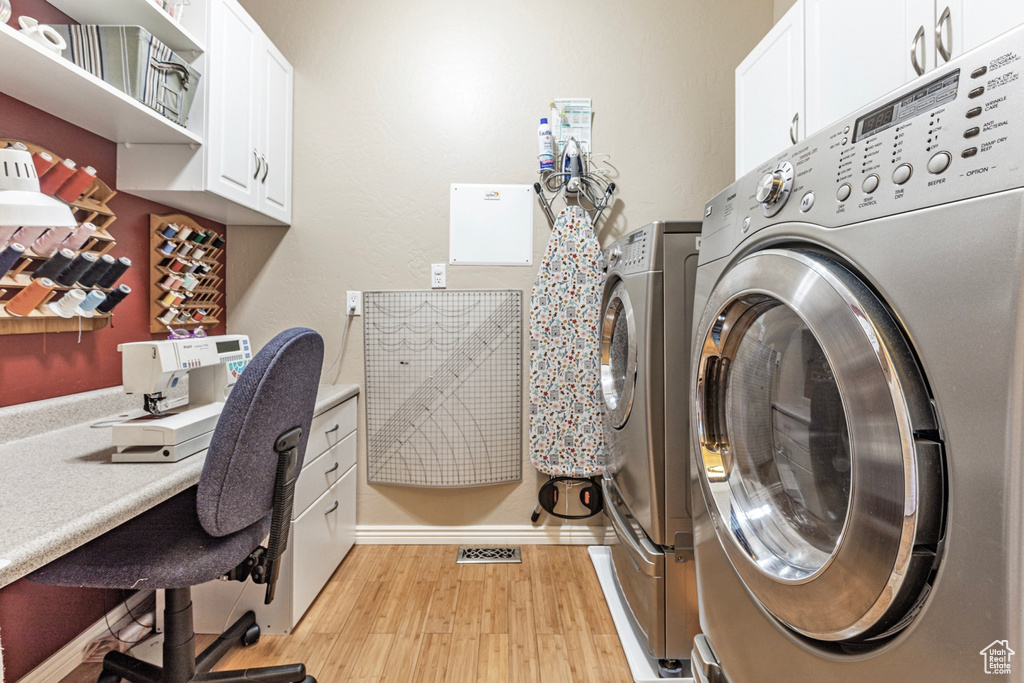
[{"x": 216, "y": 528}]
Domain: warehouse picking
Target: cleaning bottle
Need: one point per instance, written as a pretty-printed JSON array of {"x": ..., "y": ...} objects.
[{"x": 546, "y": 147}]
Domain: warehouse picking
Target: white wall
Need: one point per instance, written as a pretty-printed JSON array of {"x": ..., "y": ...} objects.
[{"x": 396, "y": 99}]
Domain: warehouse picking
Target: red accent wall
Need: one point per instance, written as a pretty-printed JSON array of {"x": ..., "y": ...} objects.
[{"x": 35, "y": 620}]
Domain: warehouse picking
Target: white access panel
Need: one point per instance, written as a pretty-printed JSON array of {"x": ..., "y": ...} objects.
[{"x": 491, "y": 225}]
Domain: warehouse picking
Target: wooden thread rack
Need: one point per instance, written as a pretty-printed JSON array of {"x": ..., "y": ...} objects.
[
  {"x": 205, "y": 296},
  {"x": 91, "y": 207}
]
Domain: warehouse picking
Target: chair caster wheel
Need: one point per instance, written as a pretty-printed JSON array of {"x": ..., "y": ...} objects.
[
  {"x": 251, "y": 636},
  {"x": 308, "y": 679},
  {"x": 108, "y": 678}
]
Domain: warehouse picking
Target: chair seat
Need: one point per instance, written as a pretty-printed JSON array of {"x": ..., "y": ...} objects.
[{"x": 164, "y": 547}]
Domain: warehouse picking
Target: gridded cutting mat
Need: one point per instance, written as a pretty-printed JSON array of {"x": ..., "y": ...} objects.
[{"x": 443, "y": 387}]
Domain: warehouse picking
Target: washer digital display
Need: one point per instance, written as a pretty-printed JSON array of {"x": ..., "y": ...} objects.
[{"x": 926, "y": 97}]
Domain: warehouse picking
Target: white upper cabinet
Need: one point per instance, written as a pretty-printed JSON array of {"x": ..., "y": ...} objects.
[
  {"x": 242, "y": 174},
  {"x": 857, "y": 52},
  {"x": 963, "y": 25},
  {"x": 770, "y": 93}
]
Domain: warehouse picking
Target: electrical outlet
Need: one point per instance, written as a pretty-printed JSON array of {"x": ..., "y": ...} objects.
[
  {"x": 354, "y": 303},
  {"x": 437, "y": 276}
]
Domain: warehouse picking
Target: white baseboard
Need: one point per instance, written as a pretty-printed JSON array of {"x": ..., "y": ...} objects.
[
  {"x": 522, "y": 534},
  {"x": 69, "y": 657}
]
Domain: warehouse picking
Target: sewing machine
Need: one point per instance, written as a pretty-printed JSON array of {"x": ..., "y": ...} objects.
[{"x": 170, "y": 431}]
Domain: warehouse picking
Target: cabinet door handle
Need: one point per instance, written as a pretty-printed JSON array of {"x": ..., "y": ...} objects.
[
  {"x": 333, "y": 469},
  {"x": 266, "y": 170},
  {"x": 258, "y": 165},
  {"x": 917, "y": 45},
  {"x": 333, "y": 429},
  {"x": 794, "y": 128},
  {"x": 944, "y": 46},
  {"x": 333, "y": 508}
]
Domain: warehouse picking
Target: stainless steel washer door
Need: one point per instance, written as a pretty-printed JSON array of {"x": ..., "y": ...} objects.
[
  {"x": 618, "y": 355},
  {"x": 817, "y": 447}
]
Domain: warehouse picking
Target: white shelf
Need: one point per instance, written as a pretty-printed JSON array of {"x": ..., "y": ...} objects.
[
  {"x": 49, "y": 82},
  {"x": 132, "y": 13}
]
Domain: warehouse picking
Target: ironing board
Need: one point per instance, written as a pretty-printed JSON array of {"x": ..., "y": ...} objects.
[{"x": 566, "y": 429}]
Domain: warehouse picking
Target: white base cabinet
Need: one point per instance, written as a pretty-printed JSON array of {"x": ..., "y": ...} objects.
[{"x": 323, "y": 530}]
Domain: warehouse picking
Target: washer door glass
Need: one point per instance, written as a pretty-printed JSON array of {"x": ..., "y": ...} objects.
[
  {"x": 790, "y": 445},
  {"x": 618, "y": 356},
  {"x": 809, "y": 406}
]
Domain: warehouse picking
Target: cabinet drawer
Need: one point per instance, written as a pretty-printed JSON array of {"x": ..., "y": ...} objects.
[
  {"x": 320, "y": 474},
  {"x": 320, "y": 539},
  {"x": 330, "y": 427}
]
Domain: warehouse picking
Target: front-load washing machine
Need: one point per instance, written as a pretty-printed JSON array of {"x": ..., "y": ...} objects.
[
  {"x": 645, "y": 363},
  {"x": 858, "y": 394}
]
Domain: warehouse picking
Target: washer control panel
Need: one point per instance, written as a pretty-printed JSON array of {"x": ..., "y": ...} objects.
[
  {"x": 632, "y": 253},
  {"x": 953, "y": 134}
]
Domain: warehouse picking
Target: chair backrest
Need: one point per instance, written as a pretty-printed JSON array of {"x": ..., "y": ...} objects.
[{"x": 275, "y": 393}]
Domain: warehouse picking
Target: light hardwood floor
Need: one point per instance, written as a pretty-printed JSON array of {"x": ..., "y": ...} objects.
[{"x": 410, "y": 613}]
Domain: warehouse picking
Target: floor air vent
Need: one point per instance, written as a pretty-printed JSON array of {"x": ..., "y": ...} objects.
[{"x": 489, "y": 555}]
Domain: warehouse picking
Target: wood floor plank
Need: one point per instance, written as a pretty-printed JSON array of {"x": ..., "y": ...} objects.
[
  {"x": 545, "y": 601},
  {"x": 400, "y": 666},
  {"x": 522, "y": 634},
  {"x": 492, "y": 664},
  {"x": 554, "y": 658},
  {"x": 341, "y": 659},
  {"x": 611, "y": 660},
  {"x": 369, "y": 664},
  {"x": 598, "y": 615},
  {"x": 465, "y": 642},
  {"x": 578, "y": 637},
  {"x": 392, "y": 604},
  {"x": 494, "y": 618},
  {"x": 443, "y": 598},
  {"x": 432, "y": 658},
  {"x": 521, "y": 570}
]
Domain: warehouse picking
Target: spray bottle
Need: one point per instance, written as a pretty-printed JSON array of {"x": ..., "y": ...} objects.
[{"x": 546, "y": 147}]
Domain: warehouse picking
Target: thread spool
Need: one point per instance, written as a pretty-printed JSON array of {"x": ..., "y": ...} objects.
[
  {"x": 10, "y": 256},
  {"x": 168, "y": 316},
  {"x": 190, "y": 282},
  {"x": 185, "y": 233},
  {"x": 177, "y": 265},
  {"x": 185, "y": 317},
  {"x": 79, "y": 237},
  {"x": 6, "y": 233},
  {"x": 114, "y": 273},
  {"x": 218, "y": 242},
  {"x": 77, "y": 184},
  {"x": 199, "y": 253},
  {"x": 43, "y": 163},
  {"x": 96, "y": 271},
  {"x": 26, "y": 301},
  {"x": 65, "y": 308},
  {"x": 114, "y": 298},
  {"x": 185, "y": 249},
  {"x": 57, "y": 176},
  {"x": 194, "y": 266},
  {"x": 49, "y": 241},
  {"x": 167, "y": 247},
  {"x": 168, "y": 299},
  {"x": 169, "y": 231},
  {"x": 87, "y": 308},
  {"x": 199, "y": 237},
  {"x": 198, "y": 315},
  {"x": 76, "y": 269},
  {"x": 53, "y": 267},
  {"x": 28, "y": 234}
]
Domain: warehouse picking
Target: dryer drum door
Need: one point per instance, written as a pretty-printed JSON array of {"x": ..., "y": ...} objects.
[
  {"x": 818, "y": 450},
  {"x": 618, "y": 355}
]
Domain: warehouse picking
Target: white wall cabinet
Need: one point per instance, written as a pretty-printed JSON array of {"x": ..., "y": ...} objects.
[
  {"x": 242, "y": 173},
  {"x": 770, "y": 93},
  {"x": 851, "y": 53}
]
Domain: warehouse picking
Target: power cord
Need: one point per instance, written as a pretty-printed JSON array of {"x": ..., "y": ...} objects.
[{"x": 349, "y": 314}]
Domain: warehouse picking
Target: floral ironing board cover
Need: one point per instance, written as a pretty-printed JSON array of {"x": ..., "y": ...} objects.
[{"x": 566, "y": 432}]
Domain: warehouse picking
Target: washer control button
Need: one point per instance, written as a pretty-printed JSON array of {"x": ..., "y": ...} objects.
[
  {"x": 843, "y": 193},
  {"x": 902, "y": 173},
  {"x": 971, "y": 132},
  {"x": 846, "y": 130},
  {"x": 746, "y": 224},
  {"x": 971, "y": 113},
  {"x": 979, "y": 72},
  {"x": 939, "y": 163},
  {"x": 870, "y": 184},
  {"x": 806, "y": 202},
  {"x": 969, "y": 152},
  {"x": 977, "y": 92}
]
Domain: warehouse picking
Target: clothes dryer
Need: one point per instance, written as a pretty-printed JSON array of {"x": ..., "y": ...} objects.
[
  {"x": 646, "y": 319},
  {"x": 858, "y": 384}
]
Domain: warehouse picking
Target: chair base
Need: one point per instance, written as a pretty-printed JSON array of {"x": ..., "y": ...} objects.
[{"x": 180, "y": 665}]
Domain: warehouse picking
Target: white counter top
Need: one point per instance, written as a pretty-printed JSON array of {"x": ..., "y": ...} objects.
[{"x": 60, "y": 490}]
